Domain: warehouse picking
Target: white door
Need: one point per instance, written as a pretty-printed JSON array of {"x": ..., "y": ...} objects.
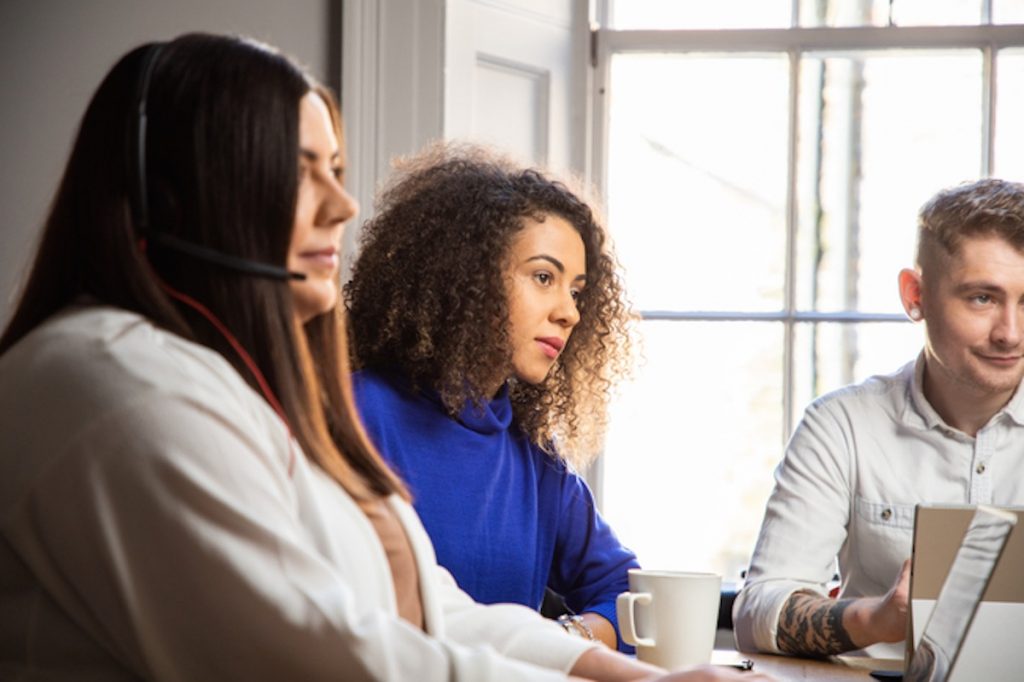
[
  {"x": 515, "y": 78},
  {"x": 512, "y": 73}
]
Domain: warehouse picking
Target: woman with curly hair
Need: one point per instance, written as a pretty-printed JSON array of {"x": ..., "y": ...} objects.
[{"x": 489, "y": 323}]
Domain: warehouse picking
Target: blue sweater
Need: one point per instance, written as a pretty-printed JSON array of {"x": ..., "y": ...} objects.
[{"x": 506, "y": 519}]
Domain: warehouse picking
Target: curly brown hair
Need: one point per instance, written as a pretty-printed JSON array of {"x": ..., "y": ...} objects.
[{"x": 428, "y": 294}]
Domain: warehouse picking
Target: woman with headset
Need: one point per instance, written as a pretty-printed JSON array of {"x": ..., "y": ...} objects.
[{"x": 185, "y": 491}]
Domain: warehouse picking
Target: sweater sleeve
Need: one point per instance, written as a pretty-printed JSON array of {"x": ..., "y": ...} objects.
[
  {"x": 170, "y": 532},
  {"x": 590, "y": 565}
]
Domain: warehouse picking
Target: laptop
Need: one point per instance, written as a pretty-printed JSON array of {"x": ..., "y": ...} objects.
[{"x": 947, "y": 591}]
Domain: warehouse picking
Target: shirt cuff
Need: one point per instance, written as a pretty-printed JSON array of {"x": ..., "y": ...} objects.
[
  {"x": 549, "y": 647},
  {"x": 757, "y": 610}
]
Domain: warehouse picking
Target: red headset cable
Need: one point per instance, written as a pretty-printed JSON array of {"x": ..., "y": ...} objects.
[{"x": 242, "y": 353}]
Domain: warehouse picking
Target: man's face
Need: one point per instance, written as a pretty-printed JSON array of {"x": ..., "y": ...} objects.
[{"x": 973, "y": 305}]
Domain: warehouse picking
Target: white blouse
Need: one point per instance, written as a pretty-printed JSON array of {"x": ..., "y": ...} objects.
[{"x": 151, "y": 530}]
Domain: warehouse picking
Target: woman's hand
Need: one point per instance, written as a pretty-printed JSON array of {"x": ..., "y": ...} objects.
[
  {"x": 603, "y": 665},
  {"x": 713, "y": 673},
  {"x": 603, "y": 630}
]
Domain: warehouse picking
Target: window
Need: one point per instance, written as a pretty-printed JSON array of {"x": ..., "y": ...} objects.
[{"x": 762, "y": 182}]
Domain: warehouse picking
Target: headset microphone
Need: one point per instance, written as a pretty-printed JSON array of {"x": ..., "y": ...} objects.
[
  {"x": 140, "y": 196},
  {"x": 224, "y": 260}
]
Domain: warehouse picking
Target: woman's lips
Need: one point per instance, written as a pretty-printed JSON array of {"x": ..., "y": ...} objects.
[
  {"x": 323, "y": 259},
  {"x": 551, "y": 346}
]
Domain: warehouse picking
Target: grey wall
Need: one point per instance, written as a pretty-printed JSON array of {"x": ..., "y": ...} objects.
[{"x": 53, "y": 54}]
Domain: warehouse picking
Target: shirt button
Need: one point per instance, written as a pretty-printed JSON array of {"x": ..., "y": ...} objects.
[
  {"x": 886, "y": 514},
  {"x": 981, "y": 468}
]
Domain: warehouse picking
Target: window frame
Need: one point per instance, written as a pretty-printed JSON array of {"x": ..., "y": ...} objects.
[{"x": 795, "y": 42}]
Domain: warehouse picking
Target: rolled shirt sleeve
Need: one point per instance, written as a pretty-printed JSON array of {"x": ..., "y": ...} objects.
[{"x": 804, "y": 527}]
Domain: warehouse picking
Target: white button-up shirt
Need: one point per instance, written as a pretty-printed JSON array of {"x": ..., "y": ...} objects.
[{"x": 858, "y": 463}]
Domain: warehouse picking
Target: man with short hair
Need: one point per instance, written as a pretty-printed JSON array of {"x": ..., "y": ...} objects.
[{"x": 947, "y": 428}]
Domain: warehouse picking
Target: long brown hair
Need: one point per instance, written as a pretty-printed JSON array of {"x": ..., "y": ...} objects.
[{"x": 222, "y": 150}]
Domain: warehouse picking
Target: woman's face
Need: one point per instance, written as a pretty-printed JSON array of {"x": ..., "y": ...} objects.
[
  {"x": 321, "y": 209},
  {"x": 546, "y": 271}
]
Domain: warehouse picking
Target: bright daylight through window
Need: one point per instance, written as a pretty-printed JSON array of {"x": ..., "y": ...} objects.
[{"x": 762, "y": 185}]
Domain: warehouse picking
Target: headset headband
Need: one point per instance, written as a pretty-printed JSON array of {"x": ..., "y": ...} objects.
[{"x": 140, "y": 194}]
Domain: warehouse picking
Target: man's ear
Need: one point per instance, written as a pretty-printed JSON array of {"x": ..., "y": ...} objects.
[{"x": 910, "y": 293}]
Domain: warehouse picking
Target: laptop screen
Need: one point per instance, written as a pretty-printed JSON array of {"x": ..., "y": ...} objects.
[{"x": 960, "y": 595}]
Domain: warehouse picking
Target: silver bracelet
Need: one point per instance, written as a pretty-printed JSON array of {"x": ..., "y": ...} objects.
[{"x": 575, "y": 625}]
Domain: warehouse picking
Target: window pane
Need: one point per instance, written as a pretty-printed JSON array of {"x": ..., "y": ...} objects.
[
  {"x": 1008, "y": 11},
  {"x": 879, "y": 135},
  {"x": 936, "y": 12},
  {"x": 1009, "y": 133},
  {"x": 697, "y": 179},
  {"x": 693, "y": 442},
  {"x": 831, "y": 355},
  {"x": 891, "y": 12},
  {"x": 658, "y": 14}
]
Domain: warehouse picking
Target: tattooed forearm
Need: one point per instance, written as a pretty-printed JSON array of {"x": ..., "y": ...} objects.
[{"x": 812, "y": 625}]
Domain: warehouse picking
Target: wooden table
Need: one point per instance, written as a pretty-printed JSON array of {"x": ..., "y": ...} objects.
[{"x": 787, "y": 668}]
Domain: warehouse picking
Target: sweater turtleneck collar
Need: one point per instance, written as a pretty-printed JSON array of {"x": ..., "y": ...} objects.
[{"x": 490, "y": 417}]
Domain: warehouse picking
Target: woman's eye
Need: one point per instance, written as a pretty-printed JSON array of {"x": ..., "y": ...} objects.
[
  {"x": 543, "y": 278},
  {"x": 338, "y": 172}
]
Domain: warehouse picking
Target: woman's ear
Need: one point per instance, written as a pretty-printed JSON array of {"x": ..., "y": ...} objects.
[{"x": 910, "y": 293}]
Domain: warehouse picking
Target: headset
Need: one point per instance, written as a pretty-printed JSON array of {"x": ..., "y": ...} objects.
[{"x": 139, "y": 198}]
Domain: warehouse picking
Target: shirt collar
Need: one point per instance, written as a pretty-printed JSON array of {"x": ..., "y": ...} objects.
[
  {"x": 1015, "y": 408},
  {"x": 919, "y": 411}
]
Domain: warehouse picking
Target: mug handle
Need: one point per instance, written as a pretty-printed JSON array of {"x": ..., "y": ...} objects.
[{"x": 624, "y": 612}]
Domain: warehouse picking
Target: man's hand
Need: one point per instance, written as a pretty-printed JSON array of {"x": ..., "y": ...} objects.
[
  {"x": 886, "y": 620},
  {"x": 812, "y": 625}
]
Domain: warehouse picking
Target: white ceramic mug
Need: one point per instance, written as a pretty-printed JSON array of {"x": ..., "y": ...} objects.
[{"x": 670, "y": 616}]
